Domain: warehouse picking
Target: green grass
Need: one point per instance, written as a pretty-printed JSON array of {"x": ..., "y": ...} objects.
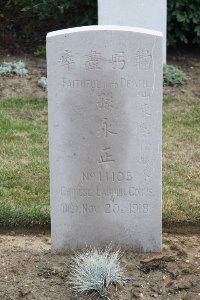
[
  {"x": 24, "y": 172},
  {"x": 24, "y": 187},
  {"x": 181, "y": 160}
]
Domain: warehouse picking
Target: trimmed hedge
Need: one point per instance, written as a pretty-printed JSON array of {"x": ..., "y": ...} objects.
[{"x": 29, "y": 20}]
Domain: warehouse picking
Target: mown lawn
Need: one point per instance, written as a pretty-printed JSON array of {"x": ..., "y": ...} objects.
[
  {"x": 24, "y": 186},
  {"x": 24, "y": 173},
  {"x": 181, "y": 160}
]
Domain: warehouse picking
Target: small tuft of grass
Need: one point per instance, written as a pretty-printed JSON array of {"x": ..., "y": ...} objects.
[
  {"x": 94, "y": 270},
  {"x": 40, "y": 51}
]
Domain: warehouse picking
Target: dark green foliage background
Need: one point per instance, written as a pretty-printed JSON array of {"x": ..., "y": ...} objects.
[
  {"x": 30, "y": 20},
  {"x": 183, "y": 21}
]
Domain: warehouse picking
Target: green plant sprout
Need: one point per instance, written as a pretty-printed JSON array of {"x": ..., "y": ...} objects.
[
  {"x": 40, "y": 52},
  {"x": 94, "y": 270}
]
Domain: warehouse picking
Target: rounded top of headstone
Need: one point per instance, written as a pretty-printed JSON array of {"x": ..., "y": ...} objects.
[{"x": 104, "y": 28}]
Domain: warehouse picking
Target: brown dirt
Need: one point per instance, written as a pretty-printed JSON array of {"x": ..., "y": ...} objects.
[
  {"x": 22, "y": 87},
  {"x": 189, "y": 62},
  {"x": 29, "y": 270}
]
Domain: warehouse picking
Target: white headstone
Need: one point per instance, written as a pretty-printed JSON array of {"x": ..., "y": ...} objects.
[
  {"x": 105, "y": 110},
  {"x": 149, "y": 14}
]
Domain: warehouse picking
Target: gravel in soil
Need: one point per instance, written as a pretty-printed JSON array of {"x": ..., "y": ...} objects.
[{"x": 29, "y": 270}]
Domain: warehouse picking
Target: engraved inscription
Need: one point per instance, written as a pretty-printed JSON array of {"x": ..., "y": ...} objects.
[
  {"x": 106, "y": 128},
  {"x": 86, "y": 176},
  {"x": 133, "y": 83},
  {"x": 138, "y": 191},
  {"x": 139, "y": 208},
  {"x": 67, "y": 60},
  {"x": 147, "y": 174},
  {"x": 145, "y": 109},
  {"x": 84, "y": 208},
  {"x": 133, "y": 208},
  {"x": 112, "y": 208},
  {"x": 111, "y": 192},
  {"x": 87, "y": 193},
  {"x": 76, "y": 192},
  {"x": 118, "y": 60},
  {"x": 143, "y": 59},
  {"x": 93, "y": 59},
  {"x": 106, "y": 156},
  {"x": 81, "y": 84},
  {"x": 144, "y": 94},
  {"x": 144, "y": 129},
  {"x": 122, "y": 83},
  {"x": 105, "y": 101},
  {"x": 107, "y": 176},
  {"x": 110, "y": 85}
]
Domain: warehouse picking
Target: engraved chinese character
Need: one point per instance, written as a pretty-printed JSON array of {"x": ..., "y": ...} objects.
[
  {"x": 146, "y": 148},
  {"x": 118, "y": 60},
  {"x": 147, "y": 175},
  {"x": 143, "y": 59},
  {"x": 147, "y": 160},
  {"x": 107, "y": 128},
  {"x": 93, "y": 60},
  {"x": 144, "y": 129},
  {"x": 106, "y": 157},
  {"x": 67, "y": 60},
  {"x": 144, "y": 159},
  {"x": 145, "y": 109},
  {"x": 105, "y": 101},
  {"x": 147, "y": 154}
]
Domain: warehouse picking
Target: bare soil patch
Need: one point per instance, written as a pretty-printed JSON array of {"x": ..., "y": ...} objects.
[
  {"x": 29, "y": 270},
  {"x": 12, "y": 86},
  {"x": 189, "y": 62}
]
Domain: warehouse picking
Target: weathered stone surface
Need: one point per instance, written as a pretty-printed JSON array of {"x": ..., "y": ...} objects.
[
  {"x": 105, "y": 108},
  {"x": 149, "y": 14}
]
